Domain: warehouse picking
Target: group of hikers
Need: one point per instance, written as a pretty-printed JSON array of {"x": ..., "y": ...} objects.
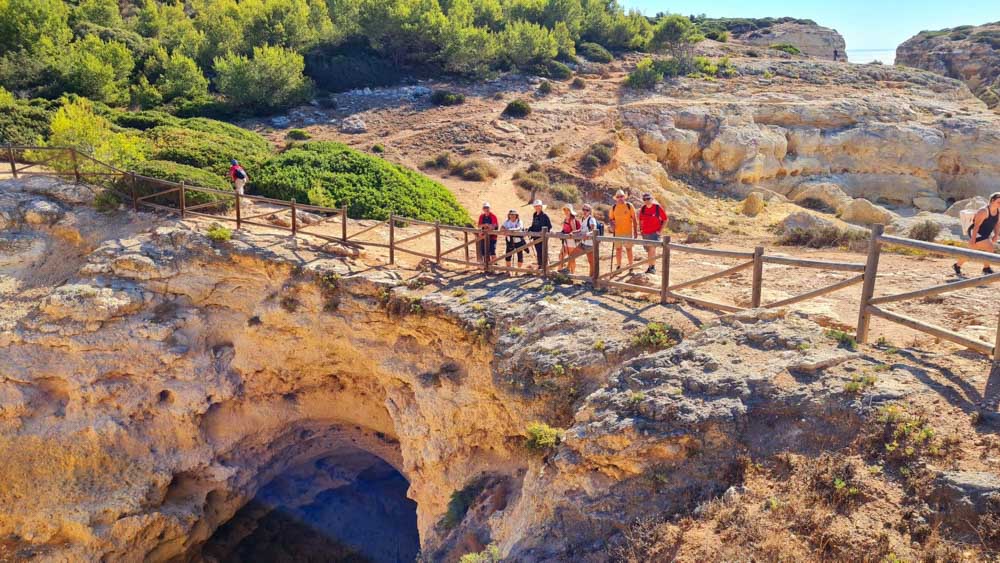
[{"x": 624, "y": 219}]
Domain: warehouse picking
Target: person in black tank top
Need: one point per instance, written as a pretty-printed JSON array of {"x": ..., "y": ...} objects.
[{"x": 983, "y": 233}]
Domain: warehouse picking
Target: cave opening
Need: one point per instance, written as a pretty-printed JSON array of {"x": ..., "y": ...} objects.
[{"x": 348, "y": 506}]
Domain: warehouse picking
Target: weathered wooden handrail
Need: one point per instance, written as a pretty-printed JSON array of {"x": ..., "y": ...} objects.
[{"x": 976, "y": 255}]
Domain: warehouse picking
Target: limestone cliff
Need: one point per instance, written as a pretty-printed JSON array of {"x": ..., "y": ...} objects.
[
  {"x": 813, "y": 40},
  {"x": 166, "y": 379},
  {"x": 968, "y": 53}
]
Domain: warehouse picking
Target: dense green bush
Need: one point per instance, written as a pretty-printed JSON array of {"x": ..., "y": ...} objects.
[
  {"x": 459, "y": 504},
  {"x": 447, "y": 98},
  {"x": 173, "y": 172},
  {"x": 545, "y": 88},
  {"x": 566, "y": 193},
  {"x": 594, "y": 52},
  {"x": 207, "y": 144},
  {"x": 332, "y": 175},
  {"x": 24, "y": 124},
  {"x": 645, "y": 76},
  {"x": 518, "y": 108},
  {"x": 541, "y": 436},
  {"x": 273, "y": 78},
  {"x": 554, "y": 70},
  {"x": 143, "y": 120},
  {"x": 599, "y": 154},
  {"x": 578, "y": 83},
  {"x": 786, "y": 48},
  {"x": 298, "y": 135}
]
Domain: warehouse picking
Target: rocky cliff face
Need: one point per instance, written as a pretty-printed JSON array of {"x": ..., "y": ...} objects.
[
  {"x": 813, "y": 40},
  {"x": 968, "y": 53},
  {"x": 900, "y": 137}
]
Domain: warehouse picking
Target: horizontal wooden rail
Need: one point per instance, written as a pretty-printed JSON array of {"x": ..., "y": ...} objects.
[
  {"x": 976, "y": 255},
  {"x": 711, "y": 251},
  {"x": 937, "y": 289},
  {"x": 818, "y": 264},
  {"x": 415, "y": 237},
  {"x": 817, "y": 292},
  {"x": 367, "y": 229},
  {"x": 705, "y": 303},
  {"x": 631, "y": 287},
  {"x": 727, "y": 272},
  {"x": 937, "y": 331}
]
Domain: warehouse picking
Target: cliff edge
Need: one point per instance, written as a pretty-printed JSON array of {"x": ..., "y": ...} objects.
[{"x": 968, "y": 53}]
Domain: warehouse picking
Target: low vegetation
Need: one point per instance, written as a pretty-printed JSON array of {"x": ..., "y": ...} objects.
[
  {"x": 189, "y": 175},
  {"x": 447, "y": 98},
  {"x": 786, "y": 48},
  {"x": 657, "y": 336},
  {"x": 218, "y": 233},
  {"x": 298, "y": 135},
  {"x": 844, "y": 339},
  {"x": 474, "y": 170},
  {"x": 598, "y": 155},
  {"x": 517, "y": 109},
  {"x": 578, "y": 83},
  {"x": 459, "y": 504},
  {"x": 489, "y": 555},
  {"x": 823, "y": 237},
  {"x": 925, "y": 230},
  {"x": 594, "y": 52},
  {"x": 332, "y": 175},
  {"x": 542, "y": 437},
  {"x": 545, "y": 88}
]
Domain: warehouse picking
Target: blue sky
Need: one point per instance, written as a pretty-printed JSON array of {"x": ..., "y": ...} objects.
[{"x": 865, "y": 24}]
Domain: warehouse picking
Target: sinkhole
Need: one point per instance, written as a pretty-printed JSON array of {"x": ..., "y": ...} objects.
[{"x": 349, "y": 506}]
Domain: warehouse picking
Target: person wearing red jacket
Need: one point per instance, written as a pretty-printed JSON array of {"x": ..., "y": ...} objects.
[
  {"x": 238, "y": 176},
  {"x": 487, "y": 222},
  {"x": 652, "y": 218}
]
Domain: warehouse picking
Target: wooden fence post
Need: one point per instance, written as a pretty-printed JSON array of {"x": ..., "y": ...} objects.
[
  {"x": 343, "y": 225},
  {"x": 466, "y": 233},
  {"x": 10, "y": 156},
  {"x": 758, "y": 277},
  {"x": 392, "y": 238},
  {"x": 135, "y": 197},
  {"x": 868, "y": 288},
  {"x": 295, "y": 219},
  {"x": 180, "y": 199},
  {"x": 664, "y": 269},
  {"x": 76, "y": 166},
  {"x": 239, "y": 212},
  {"x": 487, "y": 259},
  {"x": 545, "y": 252},
  {"x": 437, "y": 242},
  {"x": 595, "y": 274}
]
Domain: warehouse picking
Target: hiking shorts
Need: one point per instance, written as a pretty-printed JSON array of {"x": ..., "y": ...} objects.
[
  {"x": 239, "y": 184},
  {"x": 654, "y": 237}
]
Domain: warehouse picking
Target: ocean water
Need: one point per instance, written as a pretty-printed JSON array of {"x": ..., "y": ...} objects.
[{"x": 861, "y": 56}]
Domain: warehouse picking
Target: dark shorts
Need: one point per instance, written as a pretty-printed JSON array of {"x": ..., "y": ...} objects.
[{"x": 653, "y": 237}]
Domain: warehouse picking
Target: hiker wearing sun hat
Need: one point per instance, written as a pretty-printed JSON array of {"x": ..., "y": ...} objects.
[
  {"x": 488, "y": 243},
  {"x": 652, "y": 218},
  {"x": 539, "y": 222},
  {"x": 514, "y": 242},
  {"x": 571, "y": 226},
  {"x": 624, "y": 224}
]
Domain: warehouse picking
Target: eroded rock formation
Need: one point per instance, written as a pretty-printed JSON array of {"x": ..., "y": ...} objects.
[
  {"x": 968, "y": 53},
  {"x": 813, "y": 40}
]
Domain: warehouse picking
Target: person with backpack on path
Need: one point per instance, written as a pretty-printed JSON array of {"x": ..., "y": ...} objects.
[
  {"x": 983, "y": 233},
  {"x": 238, "y": 176},
  {"x": 514, "y": 242},
  {"x": 624, "y": 224},
  {"x": 488, "y": 243},
  {"x": 588, "y": 226},
  {"x": 539, "y": 221},
  {"x": 652, "y": 218},
  {"x": 571, "y": 226}
]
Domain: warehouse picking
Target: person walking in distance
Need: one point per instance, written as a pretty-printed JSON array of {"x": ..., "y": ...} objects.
[
  {"x": 238, "y": 176},
  {"x": 539, "y": 221},
  {"x": 652, "y": 218},
  {"x": 624, "y": 224},
  {"x": 984, "y": 232},
  {"x": 487, "y": 223}
]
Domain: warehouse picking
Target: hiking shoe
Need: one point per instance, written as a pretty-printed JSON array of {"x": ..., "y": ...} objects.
[
  {"x": 957, "y": 268},
  {"x": 987, "y": 270},
  {"x": 651, "y": 270}
]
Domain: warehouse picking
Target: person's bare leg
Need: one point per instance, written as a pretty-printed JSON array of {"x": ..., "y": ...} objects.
[
  {"x": 630, "y": 258},
  {"x": 651, "y": 255},
  {"x": 983, "y": 245},
  {"x": 618, "y": 256}
]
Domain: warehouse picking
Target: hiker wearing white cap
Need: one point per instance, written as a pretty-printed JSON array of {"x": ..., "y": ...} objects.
[
  {"x": 488, "y": 243},
  {"x": 570, "y": 226},
  {"x": 514, "y": 242},
  {"x": 624, "y": 224},
  {"x": 539, "y": 221},
  {"x": 652, "y": 218}
]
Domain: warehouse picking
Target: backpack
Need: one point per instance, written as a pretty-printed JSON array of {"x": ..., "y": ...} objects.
[
  {"x": 658, "y": 212},
  {"x": 598, "y": 226},
  {"x": 968, "y": 219},
  {"x": 240, "y": 174}
]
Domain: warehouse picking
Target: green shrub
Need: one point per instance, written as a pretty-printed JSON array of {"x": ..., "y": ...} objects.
[
  {"x": 459, "y": 504},
  {"x": 143, "y": 120},
  {"x": 844, "y": 339},
  {"x": 475, "y": 170},
  {"x": 207, "y": 144},
  {"x": 926, "y": 231},
  {"x": 272, "y": 79},
  {"x": 599, "y": 154},
  {"x": 441, "y": 161},
  {"x": 532, "y": 181},
  {"x": 656, "y": 336},
  {"x": 378, "y": 149},
  {"x": 447, "y": 98},
  {"x": 541, "y": 436},
  {"x": 24, "y": 124},
  {"x": 517, "y": 108},
  {"x": 786, "y": 48},
  {"x": 489, "y": 555},
  {"x": 174, "y": 172},
  {"x": 218, "y": 233},
  {"x": 298, "y": 135},
  {"x": 821, "y": 237},
  {"x": 545, "y": 88},
  {"x": 594, "y": 52},
  {"x": 645, "y": 76},
  {"x": 566, "y": 193},
  {"x": 557, "y": 150},
  {"x": 332, "y": 175},
  {"x": 554, "y": 70},
  {"x": 578, "y": 84},
  {"x": 107, "y": 200}
]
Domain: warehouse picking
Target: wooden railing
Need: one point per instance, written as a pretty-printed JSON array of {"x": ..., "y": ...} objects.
[{"x": 173, "y": 198}]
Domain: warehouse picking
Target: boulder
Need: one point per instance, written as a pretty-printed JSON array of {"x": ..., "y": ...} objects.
[
  {"x": 353, "y": 125},
  {"x": 970, "y": 204},
  {"x": 951, "y": 228},
  {"x": 803, "y": 220},
  {"x": 863, "y": 212},
  {"x": 753, "y": 205},
  {"x": 829, "y": 193},
  {"x": 281, "y": 121},
  {"x": 87, "y": 303},
  {"x": 139, "y": 267},
  {"x": 967, "y": 494},
  {"x": 40, "y": 212},
  {"x": 933, "y": 204}
]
